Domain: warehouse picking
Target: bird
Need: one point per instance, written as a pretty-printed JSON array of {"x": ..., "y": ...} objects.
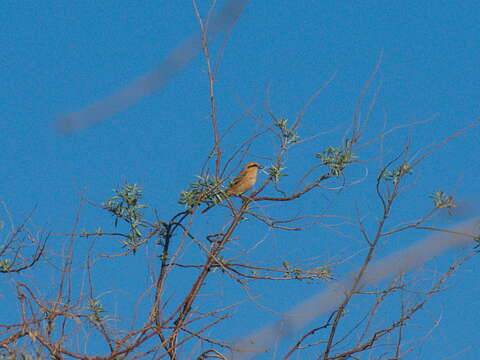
[{"x": 243, "y": 182}]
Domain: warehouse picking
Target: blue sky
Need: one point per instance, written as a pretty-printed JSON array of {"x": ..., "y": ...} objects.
[{"x": 59, "y": 56}]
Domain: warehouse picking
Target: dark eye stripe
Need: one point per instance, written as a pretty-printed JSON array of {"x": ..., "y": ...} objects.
[{"x": 253, "y": 165}]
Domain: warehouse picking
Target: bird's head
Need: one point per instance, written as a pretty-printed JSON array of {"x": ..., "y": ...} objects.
[{"x": 252, "y": 165}]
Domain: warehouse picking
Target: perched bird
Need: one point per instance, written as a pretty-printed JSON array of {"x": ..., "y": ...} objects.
[{"x": 244, "y": 180}]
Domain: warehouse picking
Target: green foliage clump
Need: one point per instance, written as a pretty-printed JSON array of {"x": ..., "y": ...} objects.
[
  {"x": 443, "y": 201},
  {"x": 275, "y": 173},
  {"x": 207, "y": 189},
  {"x": 96, "y": 310},
  {"x": 397, "y": 174},
  {"x": 125, "y": 206},
  {"x": 289, "y": 136},
  {"x": 5, "y": 265},
  {"x": 337, "y": 158},
  {"x": 299, "y": 274}
]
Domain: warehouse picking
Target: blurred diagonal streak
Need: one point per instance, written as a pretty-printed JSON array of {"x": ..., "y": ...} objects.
[
  {"x": 153, "y": 80},
  {"x": 329, "y": 299}
]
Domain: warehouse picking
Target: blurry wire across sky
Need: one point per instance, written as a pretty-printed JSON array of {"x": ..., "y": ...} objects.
[
  {"x": 329, "y": 299},
  {"x": 155, "y": 79}
]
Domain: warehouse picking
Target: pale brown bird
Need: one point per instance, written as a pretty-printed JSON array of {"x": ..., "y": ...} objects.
[{"x": 243, "y": 182}]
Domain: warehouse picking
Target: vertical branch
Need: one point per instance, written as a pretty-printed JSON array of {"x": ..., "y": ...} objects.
[
  {"x": 186, "y": 306},
  {"x": 356, "y": 125},
  {"x": 211, "y": 78},
  {"x": 358, "y": 278}
]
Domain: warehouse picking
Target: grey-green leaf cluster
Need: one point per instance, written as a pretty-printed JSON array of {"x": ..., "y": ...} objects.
[
  {"x": 207, "y": 189},
  {"x": 443, "y": 201},
  {"x": 336, "y": 159},
  {"x": 5, "y": 265},
  {"x": 125, "y": 206},
  {"x": 289, "y": 136},
  {"x": 397, "y": 174},
  {"x": 275, "y": 172},
  {"x": 96, "y": 310}
]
